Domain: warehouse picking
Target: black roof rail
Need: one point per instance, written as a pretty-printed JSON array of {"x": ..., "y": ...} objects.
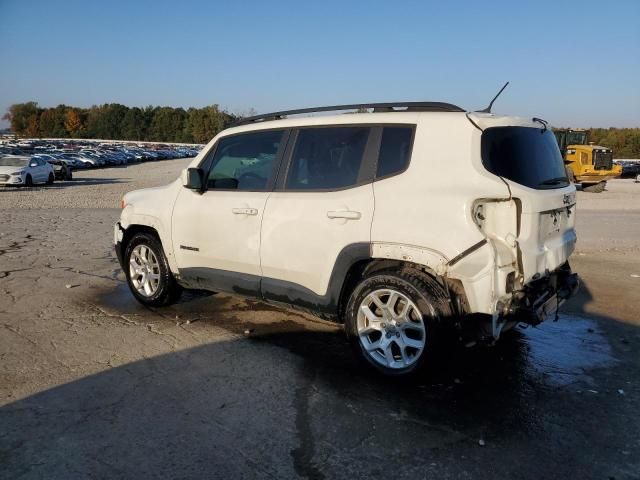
[{"x": 379, "y": 107}]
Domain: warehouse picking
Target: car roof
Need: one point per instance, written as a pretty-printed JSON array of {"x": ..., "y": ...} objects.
[{"x": 481, "y": 120}]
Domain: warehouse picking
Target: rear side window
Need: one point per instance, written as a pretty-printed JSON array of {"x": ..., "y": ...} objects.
[
  {"x": 528, "y": 156},
  {"x": 327, "y": 158},
  {"x": 245, "y": 162},
  {"x": 395, "y": 150}
]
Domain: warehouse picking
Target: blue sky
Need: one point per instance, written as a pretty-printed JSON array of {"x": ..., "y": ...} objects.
[{"x": 575, "y": 63}]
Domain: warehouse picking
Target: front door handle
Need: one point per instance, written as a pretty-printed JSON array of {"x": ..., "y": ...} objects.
[
  {"x": 245, "y": 211},
  {"x": 348, "y": 214}
]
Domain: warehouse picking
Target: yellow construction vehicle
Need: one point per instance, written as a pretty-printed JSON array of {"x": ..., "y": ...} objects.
[{"x": 587, "y": 164}]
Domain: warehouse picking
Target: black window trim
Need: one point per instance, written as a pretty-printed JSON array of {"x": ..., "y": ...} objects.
[
  {"x": 271, "y": 181},
  {"x": 412, "y": 126},
  {"x": 368, "y": 167}
]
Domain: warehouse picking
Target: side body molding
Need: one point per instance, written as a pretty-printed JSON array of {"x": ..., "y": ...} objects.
[
  {"x": 292, "y": 294},
  {"x": 428, "y": 257},
  {"x": 277, "y": 291}
]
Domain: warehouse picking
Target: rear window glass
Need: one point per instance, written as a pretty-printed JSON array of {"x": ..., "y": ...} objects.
[
  {"x": 395, "y": 150},
  {"x": 528, "y": 156},
  {"x": 327, "y": 158}
]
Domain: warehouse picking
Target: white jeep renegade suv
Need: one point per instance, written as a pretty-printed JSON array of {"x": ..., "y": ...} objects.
[{"x": 400, "y": 222}]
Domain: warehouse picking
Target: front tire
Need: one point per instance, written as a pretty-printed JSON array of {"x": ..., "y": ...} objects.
[
  {"x": 148, "y": 274},
  {"x": 51, "y": 179},
  {"x": 394, "y": 318}
]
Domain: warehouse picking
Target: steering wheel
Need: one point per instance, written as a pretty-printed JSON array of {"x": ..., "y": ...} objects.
[{"x": 252, "y": 179}]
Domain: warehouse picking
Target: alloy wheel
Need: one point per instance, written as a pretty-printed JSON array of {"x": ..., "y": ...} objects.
[
  {"x": 144, "y": 270},
  {"x": 391, "y": 329}
]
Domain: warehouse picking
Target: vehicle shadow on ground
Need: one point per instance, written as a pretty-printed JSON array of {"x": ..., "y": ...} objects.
[{"x": 290, "y": 399}]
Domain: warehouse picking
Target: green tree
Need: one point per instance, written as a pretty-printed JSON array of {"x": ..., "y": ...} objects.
[
  {"x": 24, "y": 118},
  {"x": 52, "y": 122},
  {"x": 134, "y": 125},
  {"x": 205, "y": 123},
  {"x": 105, "y": 121},
  {"x": 168, "y": 124}
]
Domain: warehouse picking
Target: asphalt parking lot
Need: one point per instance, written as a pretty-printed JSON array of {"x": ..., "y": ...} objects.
[{"x": 92, "y": 385}]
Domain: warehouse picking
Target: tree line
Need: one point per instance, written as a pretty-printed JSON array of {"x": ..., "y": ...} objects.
[
  {"x": 625, "y": 142},
  {"x": 113, "y": 121}
]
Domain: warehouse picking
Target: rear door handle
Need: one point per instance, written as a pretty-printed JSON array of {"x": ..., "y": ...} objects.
[
  {"x": 245, "y": 211},
  {"x": 348, "y": 214}
]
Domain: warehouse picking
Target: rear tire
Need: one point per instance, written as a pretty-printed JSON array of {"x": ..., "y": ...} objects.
[
  {"x": 51, "y": 179},
  {"x": 394, "y": 319},
  {"x": 148, "y": 274},
  {"x": 594, "y": 188}
]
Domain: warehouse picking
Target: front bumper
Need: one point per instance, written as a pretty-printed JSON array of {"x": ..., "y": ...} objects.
[
  {"x": 11, "y": 180},
  {"x": 118, "y": 235},
  {"x": 541, "y": 298}
]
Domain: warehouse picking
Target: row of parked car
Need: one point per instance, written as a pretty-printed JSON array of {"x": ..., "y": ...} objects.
[
  {"x": 49, "y": 161},
  {"x": 630, "y": 168}
]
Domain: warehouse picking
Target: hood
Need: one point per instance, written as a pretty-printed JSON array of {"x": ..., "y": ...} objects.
[
  {"x": 148, "y": 197},
  {"x": 6, "y": 170}
]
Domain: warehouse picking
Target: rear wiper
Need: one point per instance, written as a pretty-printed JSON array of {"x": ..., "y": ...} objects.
[
  {"x": 555, "y": 181},
  {"x": 543, "y": 122}
]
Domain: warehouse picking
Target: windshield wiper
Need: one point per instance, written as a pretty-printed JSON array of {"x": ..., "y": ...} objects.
[{"x": 555, "y": 181}]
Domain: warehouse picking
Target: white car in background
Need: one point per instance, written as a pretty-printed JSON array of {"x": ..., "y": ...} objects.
[{"x": 18, "y": 170}]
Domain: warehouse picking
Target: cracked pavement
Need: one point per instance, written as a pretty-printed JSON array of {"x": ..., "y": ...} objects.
[{"x": 93, "y": 385}]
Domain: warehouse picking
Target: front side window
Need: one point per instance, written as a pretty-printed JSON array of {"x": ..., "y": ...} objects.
[
  {"x": 528, "y": 156},
  {"x": 245, "y": 162},
  {"x": 395, "y": 150},
  {"x": 327, "y": 158}
]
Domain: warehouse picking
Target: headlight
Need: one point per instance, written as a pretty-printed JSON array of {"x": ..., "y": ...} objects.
[{"x": 16, "y": 173}]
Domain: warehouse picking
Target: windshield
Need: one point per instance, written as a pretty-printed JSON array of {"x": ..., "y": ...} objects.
[
  {"x": 576, "y": 138},
  {"x": 528, "y": 156},
  {"x": 13, "y": 162}
]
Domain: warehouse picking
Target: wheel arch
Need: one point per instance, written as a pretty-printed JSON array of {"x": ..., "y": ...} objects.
[
  {"x": 365, "y": 267},
  {"x": 132, "y": 229}
]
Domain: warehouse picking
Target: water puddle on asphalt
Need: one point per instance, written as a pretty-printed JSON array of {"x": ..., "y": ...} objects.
[{"x": 563, "y": 351}]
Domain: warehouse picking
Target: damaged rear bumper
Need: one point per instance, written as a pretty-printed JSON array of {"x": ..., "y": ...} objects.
[{"x": 541, "y": 298}]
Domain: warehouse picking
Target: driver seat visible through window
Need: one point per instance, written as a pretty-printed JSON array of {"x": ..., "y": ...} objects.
[{"x": 245, "y": 162}]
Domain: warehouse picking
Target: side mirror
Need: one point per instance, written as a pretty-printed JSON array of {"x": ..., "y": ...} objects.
[
  {"x": 193, "y": 179},
  {"x": 33, "y": 164}
]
